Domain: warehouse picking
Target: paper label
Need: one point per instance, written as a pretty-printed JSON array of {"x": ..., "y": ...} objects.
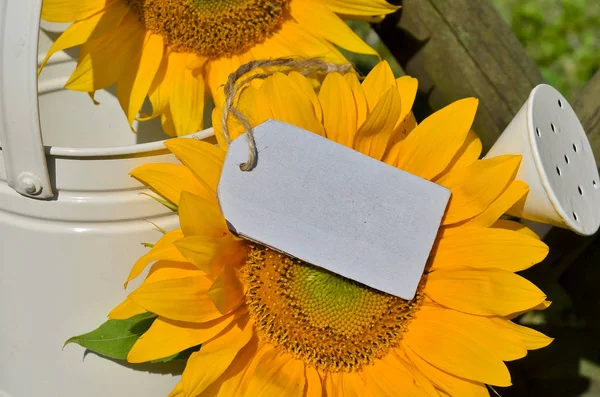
[{"x": 333, "y": 207}]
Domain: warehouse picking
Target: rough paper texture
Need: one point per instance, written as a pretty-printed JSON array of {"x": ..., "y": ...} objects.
[{"x": 333, "y": 207}]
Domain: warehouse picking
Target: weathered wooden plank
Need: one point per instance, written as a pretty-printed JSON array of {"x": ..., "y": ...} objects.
[
  {"x": 587, "y": 107},
  {"x": 462, "y": 48}
]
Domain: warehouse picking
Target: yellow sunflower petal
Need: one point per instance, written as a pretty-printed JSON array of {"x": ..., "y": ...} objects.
[
  {"x": 196, "y": 61},
  {"x": 170, "y": 180},
  {"x": 515, "y": 226},
  {"x": 276, "y": 374},
  {"x": 125, "y": 310},
  {"x": 367, "y": 8},
  {"x": 467, "y": 154},
  {"x": 181, "y": 299},
  {"x": 485, "y": 248},
  {"x": 215, "y": 356},
  {"x": 531, "y": 338},
  {"x": 486, "y": 292},
  {"x": 167, "y": 270},
  {"x": 314, "y": 385},
  {"x": 200, "y": 217},
  {"x": 335, "y": 95},
  {"x": 451, "y": 385},
  {"x": 166, "y": 121},
  {"x": 377, "y": 82},
  {"x": 374, "y": 135},
  {"x": 452, "y": 348},
  {"x": 432, "y": 145},
  {"x": 305, "y": 44},
  {"x": 203, "y": 159},
  {"x": 203, "y": 252},
  {"x": 318, "y": 19},
  {"x": 211, "y": 254},
  {"x": 384, "y": 377},
  {"x": 307, "y": 90},
  {"x": 227, "y": 291},
  {"x": 135, "y": 82},
  {"x": 360, "y": 99},
  {"x": 513, "y": 193},
  {"x": 289, "y": 104},
  {"x": 254, "y": 104},
  {"x": 476, "y": 186},
  {"x": 167, "y": 337},
  {"x": 401, "y": 131},
  {"x": 217, "y": 71},
  {"x": 88, "y": 29},
  {"x": 103, "y": 60},
  {"x": 163, "y": 250},
  {"x": 187, "y": 99},
  {"x": 229, "y": 384},
  {"x": 407, "y": 88},
  {"x": 505, "y": 345},
  {"x": 399, "y": 359},
  {"x": 72, "y": 10},
  {"x": 347, "y": 384},
  {"x": 162, "y": 85}
]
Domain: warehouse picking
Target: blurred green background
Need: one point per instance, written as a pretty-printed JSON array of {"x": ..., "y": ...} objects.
[{"x": 562, "y": 36}]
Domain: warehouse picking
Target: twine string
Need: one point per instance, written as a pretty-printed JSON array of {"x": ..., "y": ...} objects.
[{"x": 236, "y": 82}]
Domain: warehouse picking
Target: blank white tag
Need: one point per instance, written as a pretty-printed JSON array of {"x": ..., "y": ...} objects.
[{"x": 333, "y": 207}]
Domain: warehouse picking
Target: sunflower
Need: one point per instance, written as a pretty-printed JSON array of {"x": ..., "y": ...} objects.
[
  {"x": 271, "y": 325},
  {"x": 173, "y": 51}
]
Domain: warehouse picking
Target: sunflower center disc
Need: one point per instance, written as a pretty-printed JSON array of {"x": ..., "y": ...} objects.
[
  {"x": 211, "y": 28},
  {"x": 326, "y": 320}
]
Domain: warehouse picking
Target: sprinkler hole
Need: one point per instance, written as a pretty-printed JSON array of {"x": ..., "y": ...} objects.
[
  {"x": 566, "y": 159},
  {"x": 553, "y": 127},
  {"x": 575, "y": 215},
  {"x": 580, "y": 190},
  {"x": 558, "y": 170},
  {"x": 575, "y": 148},
  {"x": 537, "y": 131},
  {"x": 560, "y": 105}
]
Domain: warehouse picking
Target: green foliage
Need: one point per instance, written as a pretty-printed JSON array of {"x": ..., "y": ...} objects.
[
  {"x": 562, "y": 36},
  {"x": 115, "y": 338}
]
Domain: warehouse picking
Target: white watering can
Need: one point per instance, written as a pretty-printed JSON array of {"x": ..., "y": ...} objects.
[{"x": 71, "y": 221}]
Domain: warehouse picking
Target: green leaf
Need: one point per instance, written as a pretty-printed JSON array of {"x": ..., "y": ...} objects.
[
  {"x": 182, "y": 355},
  {"x": 115, "y": 338}
]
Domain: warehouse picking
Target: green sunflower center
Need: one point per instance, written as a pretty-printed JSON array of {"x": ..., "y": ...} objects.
[
  {"x": 212, "y": 28},
  {"x": 326, "y": 320}
]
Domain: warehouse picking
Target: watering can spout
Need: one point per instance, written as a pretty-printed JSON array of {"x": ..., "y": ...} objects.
[{"x": 558, "y": 163}]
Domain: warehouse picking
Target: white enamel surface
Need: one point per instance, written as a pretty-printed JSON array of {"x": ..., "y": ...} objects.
[
  {"x": 558, "y": 163},
  {"x": 63, "y": 261},
  {"x": 333, "y": 207}
]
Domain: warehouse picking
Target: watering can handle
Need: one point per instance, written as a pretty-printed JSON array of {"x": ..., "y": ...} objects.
[{"x": 20, "y": 132}]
